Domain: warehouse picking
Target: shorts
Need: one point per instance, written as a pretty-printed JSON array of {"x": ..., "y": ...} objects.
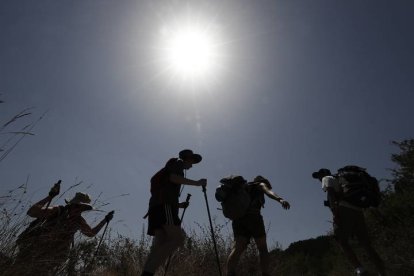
[
  {"x": 160, "y": 215},
  {"x": 348, "y": 223},
  {"x": 249, "y": 226}
]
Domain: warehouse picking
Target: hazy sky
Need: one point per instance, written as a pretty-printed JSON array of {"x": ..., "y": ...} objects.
[{"x": 300, "y": 85}]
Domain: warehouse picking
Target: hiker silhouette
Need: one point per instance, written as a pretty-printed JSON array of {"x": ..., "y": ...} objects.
[
  {"x": 44, "y": 245},
  {"x": 348, "y": 218},
  {"x": 163, "y": 220},
  {"x": 251, "y": 224}
]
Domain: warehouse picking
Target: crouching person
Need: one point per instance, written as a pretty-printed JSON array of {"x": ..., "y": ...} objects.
[
  {"x": 163, "y": 220},
  {"x": 45, "y": 244},
  {"x": 251, "y": 225}
]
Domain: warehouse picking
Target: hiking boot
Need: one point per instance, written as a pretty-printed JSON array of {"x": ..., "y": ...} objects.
[{"x": 360, "y": 271}]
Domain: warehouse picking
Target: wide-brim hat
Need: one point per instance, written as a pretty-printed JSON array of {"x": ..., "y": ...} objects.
[
  {"x": 80, "y": 199},
  {"x": 188, "y": 154},
  {"x": 321, "y": 173}
]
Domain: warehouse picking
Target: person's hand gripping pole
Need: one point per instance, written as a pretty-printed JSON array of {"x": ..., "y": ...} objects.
[
  {"x": 54, "y": 191},
  {"x": 186, "y": 204}
]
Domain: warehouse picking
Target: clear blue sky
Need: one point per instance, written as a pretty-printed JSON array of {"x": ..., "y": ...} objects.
[{"x": 305, "y": 84}]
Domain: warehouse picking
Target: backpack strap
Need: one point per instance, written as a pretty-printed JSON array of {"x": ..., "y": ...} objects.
[{"x": 256, "y": 195}]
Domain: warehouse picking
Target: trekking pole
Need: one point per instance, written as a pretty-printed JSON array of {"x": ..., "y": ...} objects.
[
  {"x": 100, "y": 241},
  {"x": 181, "y": 220},
  {"x": 187, "y": 200},
  {"x": 212, "y": 231}
]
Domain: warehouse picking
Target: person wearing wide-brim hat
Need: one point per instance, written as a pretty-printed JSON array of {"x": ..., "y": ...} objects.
[
  {"x": 80, "y": 200},
  {"x": 348, "y": 220},
  {"x": 44, "y": 247},
  {"x": 163, "y": 220}
]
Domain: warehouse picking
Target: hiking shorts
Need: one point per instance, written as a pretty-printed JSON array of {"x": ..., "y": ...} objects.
[
  {"x": 249, "y": 226},
  {"x": 159, "y": 215},
  {"x": 348, "y": 223}
]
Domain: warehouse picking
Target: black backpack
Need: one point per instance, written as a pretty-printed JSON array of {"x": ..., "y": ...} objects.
[
  {"x": 41, "y": 226},
  {"x": 233, "y": 196},
  {"x": 158, "y": 181},
  {"x": 358, "y": 187}
]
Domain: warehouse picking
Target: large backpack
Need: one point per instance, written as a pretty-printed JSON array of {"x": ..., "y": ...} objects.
[
  {"x": 233, "y": 196},
  {"x": 257, "y": 199},
  {"x": 160, "y": 185},
  {"x": 41, "y": 226},
  {"x": 358, "y": 187}
]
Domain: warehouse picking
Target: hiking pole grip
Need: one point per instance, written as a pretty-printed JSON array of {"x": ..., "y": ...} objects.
[
  {"x": 55, "y": 186},
  {"x": 187, "y": 200},
  {"x": 212, "y": 231}
]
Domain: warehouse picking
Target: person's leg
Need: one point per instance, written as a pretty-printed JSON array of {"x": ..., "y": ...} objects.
[
  {"x": 166, "y": 241},
  {"x": 240, "y": 244},
  {"x": 344, "y": 224},
  {"x": 264, "y": 254},
  {"x": 175, "y": 239},
  {"x": 375, "y": 258},
  {"x": 349, "y": 253},
  {"x": 363, "y": 238}
]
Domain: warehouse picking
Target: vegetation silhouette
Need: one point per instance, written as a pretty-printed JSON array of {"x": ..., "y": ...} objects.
[{"x": 391, "y": 227}]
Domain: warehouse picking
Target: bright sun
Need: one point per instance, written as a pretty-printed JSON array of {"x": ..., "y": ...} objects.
[{"x": 190, "y": 52}]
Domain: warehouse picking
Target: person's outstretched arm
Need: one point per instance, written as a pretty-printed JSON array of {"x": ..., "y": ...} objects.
[
  {"x": 91, "y": 232},
  {"x": 37, "y": 210},
  {"x": 274, "y": 196},
  {"x": 182, "y": 180}
]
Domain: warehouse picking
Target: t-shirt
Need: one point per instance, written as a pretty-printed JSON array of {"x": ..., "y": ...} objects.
[
  {"x": 168, "y": 192},
  {"x": 332, "y": 182}
]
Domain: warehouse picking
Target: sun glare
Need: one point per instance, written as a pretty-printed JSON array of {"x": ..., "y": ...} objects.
[{"x": 190, "y": 52}]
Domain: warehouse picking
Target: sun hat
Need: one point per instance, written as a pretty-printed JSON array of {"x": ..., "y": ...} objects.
[
  {"x": 188, "y": 154},
  {"x": 321, "y": 173},
  {"x": 80, "y": 199}
]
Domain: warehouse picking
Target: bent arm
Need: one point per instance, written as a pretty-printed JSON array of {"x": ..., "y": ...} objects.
[
  {"x": 178, "y": 179},
  {"x": 270, "y": 193},
  {"x": 37, "y": 210},
  {"x": 274, "y": 196},
  {"x": 91, "y": 232}
]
